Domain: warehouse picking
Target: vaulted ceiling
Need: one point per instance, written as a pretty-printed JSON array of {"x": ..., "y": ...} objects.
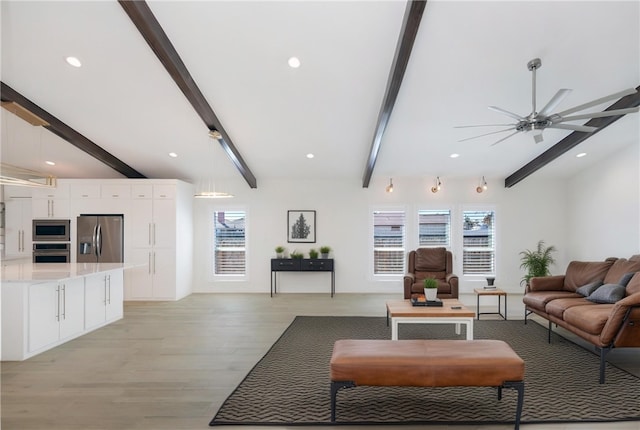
[{"x": 465, "y": 57}]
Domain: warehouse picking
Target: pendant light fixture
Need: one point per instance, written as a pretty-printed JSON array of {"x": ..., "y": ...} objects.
[
  {"x": 438, "y": 185},
  {"x": 482, "y": 187},
  {"x": 207, "y": 188}
]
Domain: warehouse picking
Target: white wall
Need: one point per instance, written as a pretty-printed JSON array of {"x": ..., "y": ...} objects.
[
  {"x": 532, "y": 210},
  {"x": 604, "y": 208}
]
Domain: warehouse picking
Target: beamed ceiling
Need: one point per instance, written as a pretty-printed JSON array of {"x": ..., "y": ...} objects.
[{"x": 379, "y": 92}]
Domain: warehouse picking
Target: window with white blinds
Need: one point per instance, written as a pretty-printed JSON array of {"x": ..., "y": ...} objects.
[
  {"x": 478, "y": 243},
  {"x": 388, "y": 242},
  {"x": 230, "y": 241},
  {"x": 434, "y": 228}
]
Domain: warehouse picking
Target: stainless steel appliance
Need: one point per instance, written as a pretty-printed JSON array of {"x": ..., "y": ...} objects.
[
  {"x": 51, "y": 230},
  {"x": 51, "y": 252},
  {"x": 100, "y": 238}
]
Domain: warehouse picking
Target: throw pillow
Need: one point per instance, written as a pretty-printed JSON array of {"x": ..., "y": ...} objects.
[
  {"x": 608, "y": 293},
  {"x": 626, "y": 278},
  {"x": 586, "y": 290}
]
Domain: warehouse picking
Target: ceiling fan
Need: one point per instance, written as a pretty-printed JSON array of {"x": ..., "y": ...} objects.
[{"x": 536, "y": 122}]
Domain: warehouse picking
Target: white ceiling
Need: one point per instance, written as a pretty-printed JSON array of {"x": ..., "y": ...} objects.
[{"x": 467, "y": 56}]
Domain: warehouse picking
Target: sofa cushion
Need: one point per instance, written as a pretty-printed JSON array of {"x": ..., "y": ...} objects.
[
  {"x": 607, "y": 293},
  {"x": 431, "y": 260},
  {"x": 634, "y": 284},
  {"x": 557, "y": 307},
  {"x": 619, "y": 268},
  {"x": 580, "y": 273},
  {"x": 590, "y": 319},
  {"x": 586, "y": 290},
  {"x": 539, "y": 299}
]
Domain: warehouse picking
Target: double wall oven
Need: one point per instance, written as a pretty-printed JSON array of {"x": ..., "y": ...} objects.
[{"x": 51, "y": 241}]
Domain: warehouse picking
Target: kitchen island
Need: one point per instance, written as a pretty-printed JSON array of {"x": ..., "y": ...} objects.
[{"x": 47, "y": 304}]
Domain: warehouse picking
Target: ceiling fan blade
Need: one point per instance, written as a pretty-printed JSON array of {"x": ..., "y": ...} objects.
[
  {"x": 505, "y": 138},
  {"x": 487, "y": 134},
  {"x": 598, "y": 101},
  {"x": 506, "y": 112},
  {"x": 555, "y": 101},
  {"x": 574, "y": 127},
  {"x": 484, "y": 125},
  {"x": 602, "y": 114}
]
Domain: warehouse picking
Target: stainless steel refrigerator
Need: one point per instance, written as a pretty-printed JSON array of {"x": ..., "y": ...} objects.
[{"x": 100, "y": 239}]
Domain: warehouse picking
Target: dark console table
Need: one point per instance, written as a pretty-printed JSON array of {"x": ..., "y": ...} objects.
[{"x": 301, "y": 265}]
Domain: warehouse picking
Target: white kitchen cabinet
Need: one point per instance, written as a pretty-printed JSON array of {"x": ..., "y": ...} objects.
[
  {"x": 55, "y": 312},
  {"x": 103, "y": 298},
  {"x": 18, "y": 227},
  {"x": 51, "y": 202},
  {"x": 161, "y": 231}
]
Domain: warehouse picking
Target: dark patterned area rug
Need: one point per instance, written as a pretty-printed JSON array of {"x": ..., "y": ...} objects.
[{"x": 290, "y": 384}]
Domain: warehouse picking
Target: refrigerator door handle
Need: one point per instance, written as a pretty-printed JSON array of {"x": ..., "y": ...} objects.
[
  {"x": 94, "y": 239},
  {"x": 99, "y": 241}
]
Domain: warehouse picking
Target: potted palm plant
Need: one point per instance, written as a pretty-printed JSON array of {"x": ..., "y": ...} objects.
[
  {"x": 430, "y": 289},
  {"x": 536, "y": 262}
]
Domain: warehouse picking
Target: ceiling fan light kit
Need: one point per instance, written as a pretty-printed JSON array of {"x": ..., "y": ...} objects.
[{"x": 537, "y": 121}]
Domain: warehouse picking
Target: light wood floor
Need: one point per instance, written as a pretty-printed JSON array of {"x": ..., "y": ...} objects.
[{"x": 170, "y": 365}]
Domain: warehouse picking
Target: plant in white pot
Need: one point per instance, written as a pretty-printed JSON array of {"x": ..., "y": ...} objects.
[
  {"x": 430, "y": 289},
  {"x": 280, "y": 251}
]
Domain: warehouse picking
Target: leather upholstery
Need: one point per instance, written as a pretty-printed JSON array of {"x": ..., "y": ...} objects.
[
  {"x": 430, "y": 263},
  {"x": 604, "y": 325},
  {"x": 425, "y": 363}
]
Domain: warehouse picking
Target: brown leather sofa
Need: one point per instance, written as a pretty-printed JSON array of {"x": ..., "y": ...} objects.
[
  {"x": 608, "y": 317},
  {"x": 430, "y": 263}
]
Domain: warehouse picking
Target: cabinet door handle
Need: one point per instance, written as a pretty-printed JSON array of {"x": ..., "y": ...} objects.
[
  {"x": 58, "y": 303},
  {"x": 64, "y": 301},
  {"x": 52, "y": 208},
  {"x": 104, "y": 289},
  {"x": 109, "y": 280},
  {"x": 154, "y": 263},
  {"x": 154, "y": 234}
]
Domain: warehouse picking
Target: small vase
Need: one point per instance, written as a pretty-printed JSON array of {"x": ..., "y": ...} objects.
[
  {"x": 325, "y": 255},
  {"x": 431, "y": 293},
  {"x": 280, "y": 255}
]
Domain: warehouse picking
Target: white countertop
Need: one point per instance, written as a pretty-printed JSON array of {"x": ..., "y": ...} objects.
[{"x": 24, "y": 270}]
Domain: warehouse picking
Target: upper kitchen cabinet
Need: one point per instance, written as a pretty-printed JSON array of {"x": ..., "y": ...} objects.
[{"x": 51, "y": 202}]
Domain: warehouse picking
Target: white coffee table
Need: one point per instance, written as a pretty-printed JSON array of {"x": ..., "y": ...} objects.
[{"x": 403, "y": 312}]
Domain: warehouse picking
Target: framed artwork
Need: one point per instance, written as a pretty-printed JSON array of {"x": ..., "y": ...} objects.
[{"x": 301, "y": 226}]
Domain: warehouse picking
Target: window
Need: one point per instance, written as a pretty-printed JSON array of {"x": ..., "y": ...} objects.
[
  {"x": 478, "y": 243},
  {"x": 434, "y": 227},
  {"x": 230, "y": 241},
  {"x": 388, "y": 242}
]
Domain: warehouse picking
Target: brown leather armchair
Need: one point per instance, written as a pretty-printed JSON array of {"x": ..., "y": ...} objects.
[{"x": 430, "y": 263}]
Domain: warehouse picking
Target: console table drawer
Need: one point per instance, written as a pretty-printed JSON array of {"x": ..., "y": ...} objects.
[
  {"x": 319, "y": 264},
  {"x": 285, "y": 265}
]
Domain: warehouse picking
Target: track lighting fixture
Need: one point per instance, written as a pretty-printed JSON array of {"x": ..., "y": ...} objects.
[
  {"x": 390, "y": 186},
  {"x": 482, "y": 187},
  {"x": 438, "y": 185}
]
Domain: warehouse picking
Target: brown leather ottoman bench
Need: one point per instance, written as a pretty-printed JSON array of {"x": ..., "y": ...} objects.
[{"x": 426, "y": 363}]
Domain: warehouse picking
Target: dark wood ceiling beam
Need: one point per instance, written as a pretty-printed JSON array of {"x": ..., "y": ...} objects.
[
  {"x": 572, "y": 140},
  {"x": 67, "y": 133},
  {"x": 408, "y": 33},
  {"x": 147, "y": 24}
]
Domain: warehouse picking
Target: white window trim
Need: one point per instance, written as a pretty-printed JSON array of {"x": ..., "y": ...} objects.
[
  {"x": 460, "y": 242},
  {"x": 407, "y": 223},
  {"x": 212, "y": 277}
]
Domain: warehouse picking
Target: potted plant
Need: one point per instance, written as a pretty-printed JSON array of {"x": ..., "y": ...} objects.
[
  {"x": 537, "y": 262},
  {"x": 430, "y": 289},
  {"x": 324, "y": 250},
  {"x": 280, "y": 251},
  {"x": 313, "y": 253},
  {"x": 296, "y": 254}
]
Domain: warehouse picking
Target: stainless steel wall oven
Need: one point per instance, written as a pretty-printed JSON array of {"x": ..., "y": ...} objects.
[{"x": 51, "y": 230}]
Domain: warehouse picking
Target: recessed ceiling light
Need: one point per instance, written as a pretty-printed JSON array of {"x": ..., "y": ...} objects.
[
  {"x": 454, "y": 155},
  {"x": 294, "y": 62},
  {"x": 73, "y": 61},
  {"x": 310, "y": 155},
  {"x": 50, "y": 163},
  {"x": 173, "y": 155},
  {"x": 580, "y": 155}
]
